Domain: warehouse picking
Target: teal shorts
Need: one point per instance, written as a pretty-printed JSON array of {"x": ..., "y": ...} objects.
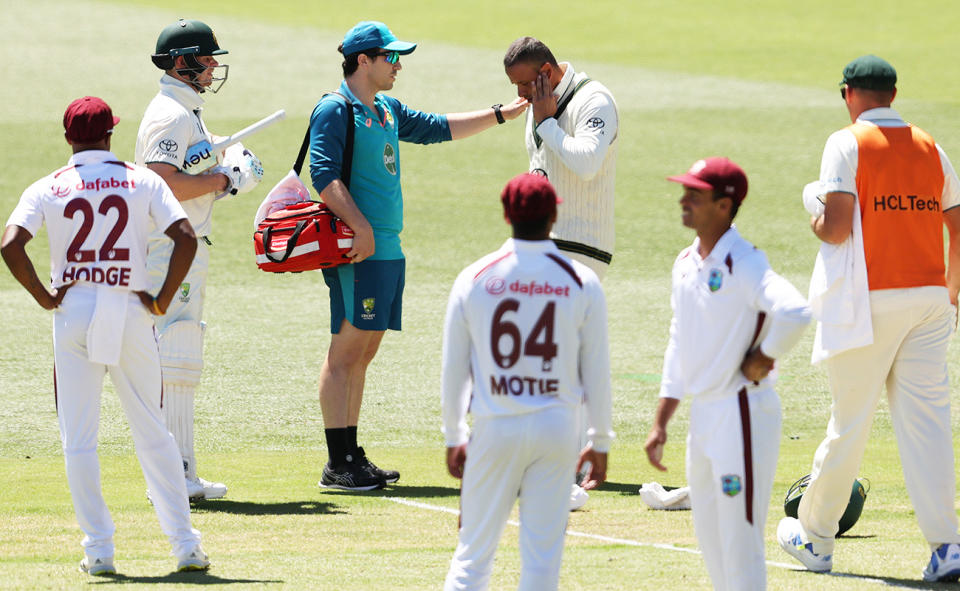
[{"x": 368, "y": 294}]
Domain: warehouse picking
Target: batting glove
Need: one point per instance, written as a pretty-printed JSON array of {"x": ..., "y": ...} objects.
[{"x": 242, "y": 167}]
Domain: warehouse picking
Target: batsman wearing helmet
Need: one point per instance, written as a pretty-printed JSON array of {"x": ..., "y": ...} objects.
[{"x": 171, "y": 142}]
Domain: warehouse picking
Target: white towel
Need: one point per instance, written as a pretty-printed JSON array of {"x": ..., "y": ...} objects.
[
  {"x": 840, "y": 295},
  {"x": 657, "y": 497},
  {"x": 288, "y": 191},
  {"x": 105, "y": 333}
]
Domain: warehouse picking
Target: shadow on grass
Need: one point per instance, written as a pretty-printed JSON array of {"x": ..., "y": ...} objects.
[
  {"x": 889, "y": 581},
  {"x": 251, "y": 508},
  {"x": 408, "y": 492},
  {"x": 175, "y": 578},
  {"x": 624, "y": 488}
]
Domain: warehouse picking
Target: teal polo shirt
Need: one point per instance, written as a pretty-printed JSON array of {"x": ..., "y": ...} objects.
[{"x": 375, "y": 170}]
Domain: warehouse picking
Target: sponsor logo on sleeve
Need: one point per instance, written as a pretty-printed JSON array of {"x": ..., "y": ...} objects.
[
  {"x": 168, "y": 146},
  {"x": 539, "y": 171},
  {"x": 495, "y": 285},
  {"x": 595, "y": 123}
]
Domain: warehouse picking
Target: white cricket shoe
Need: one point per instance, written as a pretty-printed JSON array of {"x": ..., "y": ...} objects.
[
  {"x": 196, "y": 559},
  {"x": 578, "y": 497},
  {"x": 944, "y": 564},
  {"x": 199, "y": 489},
  {"x": 98, "y": 566},
  {"x": 795, "y": 542}
]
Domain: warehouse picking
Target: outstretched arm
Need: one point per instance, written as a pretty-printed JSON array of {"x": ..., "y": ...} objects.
[{"x": 466, "y": 124}]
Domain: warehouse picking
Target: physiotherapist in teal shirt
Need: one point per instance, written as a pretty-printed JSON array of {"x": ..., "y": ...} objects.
[{"x": 366, "y": 295}]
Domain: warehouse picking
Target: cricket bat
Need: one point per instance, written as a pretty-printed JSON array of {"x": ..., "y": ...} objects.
[{"x": 202, "y": 156}]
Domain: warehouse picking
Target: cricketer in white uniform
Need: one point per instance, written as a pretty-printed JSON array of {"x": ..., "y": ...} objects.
[
  {"x": 525, "y": 343},
  {"x": 571, "y": 134},
  {"x": 732, "y": 317},
  {"x": 889, "y": 192},
  {"x": 171, "y": 125},
  {"x": 98, "y": 211}
]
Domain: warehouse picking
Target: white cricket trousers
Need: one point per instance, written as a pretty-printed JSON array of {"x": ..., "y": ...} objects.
[
  {"x": 531, "y": 457},
  {"x": 911, "y": 331},
  {"x": 730, "y": 483},
  {"x": 78, "y": 384}
]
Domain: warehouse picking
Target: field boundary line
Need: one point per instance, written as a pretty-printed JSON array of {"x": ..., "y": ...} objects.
[{"x": 639, "y": 544}]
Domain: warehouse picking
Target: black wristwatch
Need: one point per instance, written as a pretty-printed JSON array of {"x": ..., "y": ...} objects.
[{"x": 496, "y": 111}]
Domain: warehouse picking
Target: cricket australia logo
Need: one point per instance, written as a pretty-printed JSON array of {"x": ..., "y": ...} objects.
[
  {"x": 715, "y": 281},
  {"x": 390, "y": 159},
  {"x": 368, "y": 305},
  {"x": 730, "y": 483},
  {"x": 184, "y": 292}
]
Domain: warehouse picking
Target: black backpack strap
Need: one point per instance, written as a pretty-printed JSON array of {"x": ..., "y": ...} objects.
[{"x": 347, "y": 162}]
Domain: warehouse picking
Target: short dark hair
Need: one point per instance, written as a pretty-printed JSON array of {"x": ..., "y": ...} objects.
[
  {"x": 882, "y": 97},
  {"x": 734, "y": 204},
  {"x": 528, "y": 50},
  {"x": 531, "y": 229},
  {"x": 350, "y": 62}
]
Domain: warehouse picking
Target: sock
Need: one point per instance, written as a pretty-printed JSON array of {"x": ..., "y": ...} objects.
[
  {"x": 352, "y": 438},
  {"x": 337, "y": 448}
]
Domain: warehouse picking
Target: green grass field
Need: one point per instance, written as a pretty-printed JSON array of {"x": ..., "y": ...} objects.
[{"x": 756, "y": 81}]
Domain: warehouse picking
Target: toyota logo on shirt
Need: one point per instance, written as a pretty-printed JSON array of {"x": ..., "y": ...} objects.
[{"x": 168, "y": 145}]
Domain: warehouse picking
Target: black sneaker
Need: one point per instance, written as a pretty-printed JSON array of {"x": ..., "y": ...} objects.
[
  {"x": 353, "y": 475},
  {"x": 387, "y": 476}
]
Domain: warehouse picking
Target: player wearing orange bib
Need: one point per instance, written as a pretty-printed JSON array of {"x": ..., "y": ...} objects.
[{"x": 889, "y": 187}]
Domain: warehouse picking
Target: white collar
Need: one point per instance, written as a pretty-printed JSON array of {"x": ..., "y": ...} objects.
[
  {"x": 181, "y": 92},
  {"x": 721, "y": 249},
  {"x": 91, "y": 157},
  {"x": 885, "y": 115},
  {"x": 565, "y": 82},
  {"x": 516, "y": 244}
]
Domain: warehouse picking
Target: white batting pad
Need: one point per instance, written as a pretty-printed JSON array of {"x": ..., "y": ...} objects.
[{"x": 181, "y": 353}]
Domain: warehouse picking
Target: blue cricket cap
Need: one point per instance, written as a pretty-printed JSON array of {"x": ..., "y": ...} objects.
[{"x": 368, "y": 35}]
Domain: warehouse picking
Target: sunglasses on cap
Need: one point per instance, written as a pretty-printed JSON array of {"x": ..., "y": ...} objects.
[{"x": 391, "y": 57}]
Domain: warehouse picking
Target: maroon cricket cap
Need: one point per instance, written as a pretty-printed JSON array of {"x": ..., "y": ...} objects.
[
  {"x": 718, "y": 173},
  {"x": 528, "y": 197},
  {"x": 88, "y": 120}
]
